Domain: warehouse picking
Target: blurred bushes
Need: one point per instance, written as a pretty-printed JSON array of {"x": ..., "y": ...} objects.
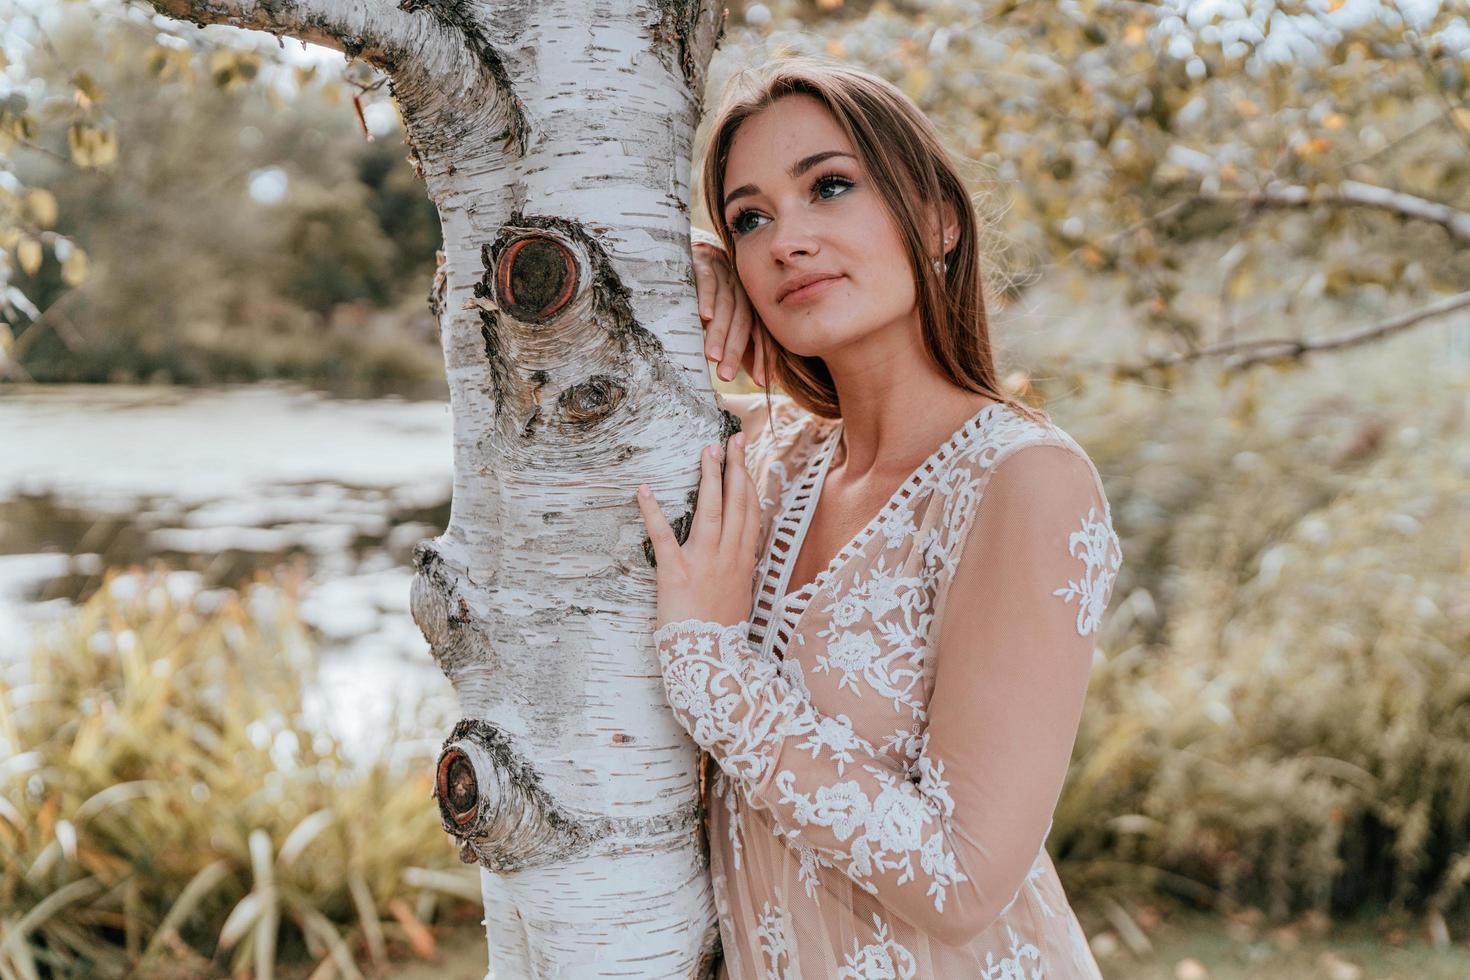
[
  {"x": 197, "y": 278},
  {"x": 165, "y": 810},
  {"x": 1280, "y": 716}
]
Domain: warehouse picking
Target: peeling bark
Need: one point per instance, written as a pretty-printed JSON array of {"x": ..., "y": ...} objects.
[{"x": 555, "y": 139}]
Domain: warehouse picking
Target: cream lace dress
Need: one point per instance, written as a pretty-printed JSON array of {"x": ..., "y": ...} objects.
[{"x": 883, "y": 789}]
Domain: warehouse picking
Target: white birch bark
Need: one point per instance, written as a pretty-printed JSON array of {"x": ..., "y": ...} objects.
[{"x": 555, "y": 137}]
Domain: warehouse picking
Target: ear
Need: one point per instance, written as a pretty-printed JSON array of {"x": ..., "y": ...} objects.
[{"x": 950, "y": 231}]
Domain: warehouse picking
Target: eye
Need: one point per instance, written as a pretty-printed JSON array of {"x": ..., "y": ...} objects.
[{"x": 825, "y": 180}]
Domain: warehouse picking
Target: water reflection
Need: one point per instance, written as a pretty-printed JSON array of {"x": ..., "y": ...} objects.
[{"x": 220, "y": 484}]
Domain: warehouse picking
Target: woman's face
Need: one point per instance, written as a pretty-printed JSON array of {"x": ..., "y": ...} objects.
[{"x": 794, "y": 210}]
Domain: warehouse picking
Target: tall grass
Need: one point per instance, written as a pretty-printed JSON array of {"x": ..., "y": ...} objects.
[{"x": 167, "y": 810}]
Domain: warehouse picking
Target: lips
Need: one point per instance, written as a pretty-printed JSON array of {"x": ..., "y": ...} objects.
[{"x": 803, "y": 286}]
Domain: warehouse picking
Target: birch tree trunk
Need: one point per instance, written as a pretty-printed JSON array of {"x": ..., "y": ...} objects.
[{"x": 555, "y": 138}]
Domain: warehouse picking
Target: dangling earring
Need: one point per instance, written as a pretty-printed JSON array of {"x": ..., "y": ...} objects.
[{"x": 939, "y": 263}]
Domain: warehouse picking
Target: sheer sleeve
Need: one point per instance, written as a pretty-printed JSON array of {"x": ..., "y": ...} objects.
[{"x": 945, "y": 843}]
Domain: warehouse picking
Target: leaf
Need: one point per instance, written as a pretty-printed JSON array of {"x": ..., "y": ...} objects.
[
  {"x": 74, "y": 269},
  {"x": 28, "y": 252},
  {"x": 367, "y": 914},
  {"x": 55, "y": 902},
  {"x": 303, "y": 834},
  {"x": 90, "y": 146},
  {"x": 42, "y": 205},
  {"x": 241, "y": 918},
  {"x": 208, "y": 878},
  {"x": 419, "y": 936},
  {"x": 87, "y": 87}
]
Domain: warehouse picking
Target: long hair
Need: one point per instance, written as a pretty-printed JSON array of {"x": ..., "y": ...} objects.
[{"x": 909, "y": 164}]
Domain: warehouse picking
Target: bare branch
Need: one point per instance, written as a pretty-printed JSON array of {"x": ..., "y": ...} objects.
[
  {"x": 1350, "y": 193},
  {"x": 1263, "y": 349},
  {"x": 437, "y": 53},
  {"x": 369, "y": 31}
]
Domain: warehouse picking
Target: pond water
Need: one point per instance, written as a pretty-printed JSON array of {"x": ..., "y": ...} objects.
[{"x": 219, "y": 483}]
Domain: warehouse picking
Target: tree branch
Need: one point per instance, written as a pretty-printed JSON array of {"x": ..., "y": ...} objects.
[
  {"x": 371, "y": 31},
  {"x": 1350, "y": 193},
  {"x": 1262, "y": 349},
  {"x": 435, "y": 51}
]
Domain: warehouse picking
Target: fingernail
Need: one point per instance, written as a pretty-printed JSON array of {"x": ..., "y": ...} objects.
[
  {"x": 642, "y": 489},
  {"x": 726, "y": 374},
  {"x": 719, "y": 351},
  {"x": 740, "y": 439}
]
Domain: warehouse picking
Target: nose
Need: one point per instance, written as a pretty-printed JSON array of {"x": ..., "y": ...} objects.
[{"x": 792, "y": 238}]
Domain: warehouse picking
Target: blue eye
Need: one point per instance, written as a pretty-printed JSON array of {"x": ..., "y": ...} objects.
[{"x": 826, "y": 180}]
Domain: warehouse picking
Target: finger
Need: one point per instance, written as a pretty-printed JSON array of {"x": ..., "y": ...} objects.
[
  {"x": 732, "y": 524},
  {"x": 660, "y": 535},
  {"x": 704, "y": 291},
  {"x": 719, "y": 324},
  {"x": 736, "y": 341},
  {"x": 747, "y": 355},
  {"x": 705, "y": 534},
  {"x": 758, "y": 340}
]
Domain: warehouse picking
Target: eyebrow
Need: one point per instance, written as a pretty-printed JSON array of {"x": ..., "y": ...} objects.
[{"x": 797, "y": 169}]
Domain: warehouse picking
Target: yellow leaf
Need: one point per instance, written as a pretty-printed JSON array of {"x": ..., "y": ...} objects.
[
  {"x": 86, "y": 87},
  {"x": 79, "y": 142},
  {"x": 74, "y": 269},
  {"x": 29, "y": 254},
  {"x": 42, "y": 205}
]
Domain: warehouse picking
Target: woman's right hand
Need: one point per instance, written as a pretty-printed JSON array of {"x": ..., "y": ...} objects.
[{"x": 733, "y": 333}]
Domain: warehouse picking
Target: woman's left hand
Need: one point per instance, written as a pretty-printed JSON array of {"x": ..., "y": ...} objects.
[{"x": 709, "y": 576}]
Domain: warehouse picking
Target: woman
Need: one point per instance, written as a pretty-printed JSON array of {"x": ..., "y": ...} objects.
[{"x": 893, "y": 709}]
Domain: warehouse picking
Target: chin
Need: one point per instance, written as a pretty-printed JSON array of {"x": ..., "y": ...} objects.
[{"x": 821, "y": 341}]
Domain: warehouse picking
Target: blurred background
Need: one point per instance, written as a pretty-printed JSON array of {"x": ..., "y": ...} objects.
[{"x": 1229, "y": 250}]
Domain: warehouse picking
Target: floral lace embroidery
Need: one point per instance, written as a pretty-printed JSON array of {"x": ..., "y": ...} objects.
[
  {"x": 770, "y": 931},
  {"x": 1097, "y": 545},
  {"x": 885, "y": 958},
  {"x": 889, "y": 829},
  {"x": 1012, "y": 967},
  {"x": 745, "y": 705},
  {"x": 719, "y": 700},
  {"x": 895, "y": 668},
  {"x": 734, "y": 815}
]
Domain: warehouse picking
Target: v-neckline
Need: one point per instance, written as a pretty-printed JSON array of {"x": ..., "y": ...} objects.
[{"x": 795, "y": 519}]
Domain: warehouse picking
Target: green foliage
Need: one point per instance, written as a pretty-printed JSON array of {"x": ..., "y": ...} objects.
[{"x": 165, "y": 810}]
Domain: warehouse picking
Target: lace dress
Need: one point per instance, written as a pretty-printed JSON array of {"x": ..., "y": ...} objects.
[{"x": 867, "y": 820}]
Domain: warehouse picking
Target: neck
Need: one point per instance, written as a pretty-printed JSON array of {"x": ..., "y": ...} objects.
[{"x": 897, "y": 407}]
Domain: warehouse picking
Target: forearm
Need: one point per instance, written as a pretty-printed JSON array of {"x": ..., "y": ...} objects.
[{"x": 830, "y": 792}]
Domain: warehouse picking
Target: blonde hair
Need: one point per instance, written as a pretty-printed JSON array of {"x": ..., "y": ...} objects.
[{"x": 903, "y": 154}]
